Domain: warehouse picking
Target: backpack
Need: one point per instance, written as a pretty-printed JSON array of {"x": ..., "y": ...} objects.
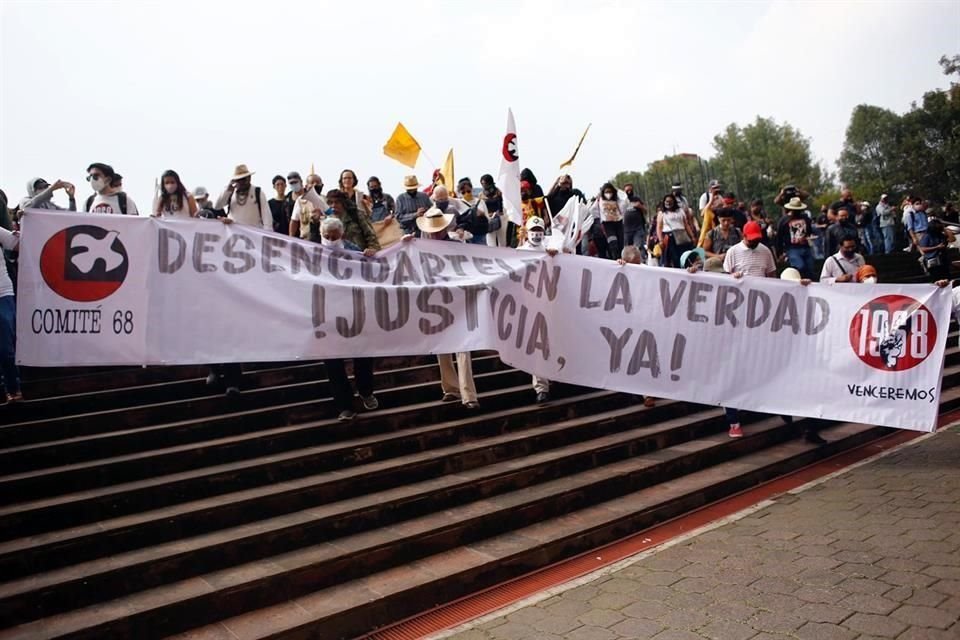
[{"x": 121, "y": 200}]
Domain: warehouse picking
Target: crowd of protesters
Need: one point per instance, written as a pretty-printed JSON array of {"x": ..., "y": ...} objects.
[{"x": 722, "y": 234}]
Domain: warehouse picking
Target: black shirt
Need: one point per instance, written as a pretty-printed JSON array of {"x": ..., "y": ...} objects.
[{"x": 280, "y": 210}]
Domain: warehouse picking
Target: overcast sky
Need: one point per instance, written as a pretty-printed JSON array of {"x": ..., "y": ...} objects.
[{"x": 202, "y": 86}]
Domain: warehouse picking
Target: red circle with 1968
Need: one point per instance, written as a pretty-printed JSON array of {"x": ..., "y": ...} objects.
[{"x": 893, "y": 333}]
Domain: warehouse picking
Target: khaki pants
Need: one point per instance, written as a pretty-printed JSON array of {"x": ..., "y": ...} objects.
[
  {"x": 541, "y": 385},
  {"x": 459, "y": 380}
]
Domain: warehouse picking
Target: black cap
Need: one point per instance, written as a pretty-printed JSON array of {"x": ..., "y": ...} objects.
[{"x": 293, "y": 175}]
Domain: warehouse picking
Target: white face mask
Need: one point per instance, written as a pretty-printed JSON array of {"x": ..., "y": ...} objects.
[
  {"x": 170, "y": 188},
  {"x": 98, "y": 184},
  {"x": 536, "y": 237},
  {"x": 333, "y": 244},
  {"x": 870, "y": 280},
  {"x": 296, "y": 187}
]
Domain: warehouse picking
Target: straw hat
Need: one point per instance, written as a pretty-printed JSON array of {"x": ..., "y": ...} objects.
[
  {"x": 411, "y": 182},
  {"x": 241, "y": 172},
  {"x": 795, "y": 204},
  {"x": 434, "y": 220}
]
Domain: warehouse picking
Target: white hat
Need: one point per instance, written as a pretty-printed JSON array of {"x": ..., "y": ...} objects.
[
  {"x": 534, "y": 222},
  {"x": 201, "y": 192},
  {"x": 791, "y": 274}
]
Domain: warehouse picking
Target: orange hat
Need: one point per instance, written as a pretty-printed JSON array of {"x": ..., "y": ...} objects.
[{"x": 865, "y": 272}]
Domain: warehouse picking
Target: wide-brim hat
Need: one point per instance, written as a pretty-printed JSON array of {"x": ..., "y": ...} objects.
[
  {"x": 242, "y": 172},
  {"x": 434, "y": 220},
  {"x": 795, "y": 204},
  {"x": 411, "y": 182}
]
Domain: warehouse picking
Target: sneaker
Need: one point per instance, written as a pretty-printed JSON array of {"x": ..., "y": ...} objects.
[
  {"x": 735, "y": 431},
  {"x": 542, "y": 397},
  {"x": 450, "y": 397},
  {"x": 232, "y": 392},
  {"x": 370, "y": 402},
  {"x": 472, "y": 405},
  {"x": 213, "y": 379},
  {"x": 814, "y": 438},
  {"x": 649, "y": 402},
  {"x": 347, "y": 415},
  {"x": 13, "y": 398}
]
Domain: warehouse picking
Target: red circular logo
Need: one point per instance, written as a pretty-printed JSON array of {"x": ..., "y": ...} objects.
[
  {"x": 84, "y": 263},
  {"x": 893, "y": 333},
  {"x": 510, "y": 153}
]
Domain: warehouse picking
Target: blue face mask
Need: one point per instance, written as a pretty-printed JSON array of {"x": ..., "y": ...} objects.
[{"x": 329, "y": 211}]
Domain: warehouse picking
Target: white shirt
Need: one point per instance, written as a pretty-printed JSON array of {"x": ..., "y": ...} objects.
[
  {"x": 674, "y": 220},
  {"x": 750, "y": 262},
  {"x": 302, "y": 214},
  {"x": 111, "y": 204},
  {"x": 182, "y": 212},
  {"x": 9, "y": 241},
  {"x": 836, "y": 266},
  {"x": 251, "y": 212}
]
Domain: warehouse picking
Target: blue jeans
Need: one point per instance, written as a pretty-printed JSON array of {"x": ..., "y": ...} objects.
[
  {"x": 8, "y": 344},
  {"x": 889, "y": 238},
  {"x": 801, "y": 259}
]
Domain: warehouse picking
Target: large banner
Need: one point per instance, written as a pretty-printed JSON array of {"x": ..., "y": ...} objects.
[{"x": 112, "y": 290}]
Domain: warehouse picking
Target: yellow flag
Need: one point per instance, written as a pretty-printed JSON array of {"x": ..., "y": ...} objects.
[
  {"x": 449, "y": 182},
  {"x": 577, "y": 150},
  {"x": 402, "y": 147}
]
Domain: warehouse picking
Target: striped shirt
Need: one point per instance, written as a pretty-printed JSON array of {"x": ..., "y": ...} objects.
[{"x": 750, "y": 262}]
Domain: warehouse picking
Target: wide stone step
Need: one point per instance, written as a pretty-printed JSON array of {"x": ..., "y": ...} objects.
[
  {"x": 285, "y": 483},
  {"x": 210, "y": 404},
  {"x": 520, "y": 530}
]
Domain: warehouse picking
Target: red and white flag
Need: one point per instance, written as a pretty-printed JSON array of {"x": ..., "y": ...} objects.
[{"x": 509, "y": 179}]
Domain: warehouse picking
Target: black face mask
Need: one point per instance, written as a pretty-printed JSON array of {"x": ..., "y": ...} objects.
[
  {"x": 411, "y": 192},
  {"x": 376, "y": 192},
  {"x": 319, "y": 189}
]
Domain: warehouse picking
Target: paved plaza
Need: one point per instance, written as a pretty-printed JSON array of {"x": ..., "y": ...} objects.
[{"x": 871, "y": 553}]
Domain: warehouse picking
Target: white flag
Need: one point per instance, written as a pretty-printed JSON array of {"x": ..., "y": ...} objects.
[
  {"x": 509, "y": 178},
  {"x": 569, "y": 226}
]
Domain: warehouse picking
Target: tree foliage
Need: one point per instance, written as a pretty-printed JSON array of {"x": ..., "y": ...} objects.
[
  {"x": 753, "y": 161},
  {"x": 914, "y": 153},
  {"x": 883, "y": 152}
]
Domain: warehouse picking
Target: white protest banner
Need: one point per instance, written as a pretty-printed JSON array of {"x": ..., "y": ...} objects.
[{"x": 101, "y": 290}]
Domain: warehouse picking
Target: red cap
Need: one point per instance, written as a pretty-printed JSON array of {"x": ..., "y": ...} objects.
[{"x": 752, "y": 231}]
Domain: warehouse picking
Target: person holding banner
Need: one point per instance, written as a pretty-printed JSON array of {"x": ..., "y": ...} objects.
[
  {"x": 9, "y": 240},
  {"x": 356, "y": 226},
  {"x": 457, "y": 383},
  {"x": 536, "y": 229},
  {"x": 333, "y": 236},
  {"x": 174, "y": 201}
]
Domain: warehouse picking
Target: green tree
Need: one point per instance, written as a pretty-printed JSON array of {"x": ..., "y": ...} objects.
[
  {"x": 870, "y": 163},
  {"x": 916, "y": 153},
  {"x": 757, "y": 160}
]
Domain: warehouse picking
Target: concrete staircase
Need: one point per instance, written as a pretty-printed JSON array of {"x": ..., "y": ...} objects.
[{"x": 134, "y": 503}]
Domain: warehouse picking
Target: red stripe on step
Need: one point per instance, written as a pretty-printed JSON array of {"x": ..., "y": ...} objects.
[{"x": 483, "y": 602}]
